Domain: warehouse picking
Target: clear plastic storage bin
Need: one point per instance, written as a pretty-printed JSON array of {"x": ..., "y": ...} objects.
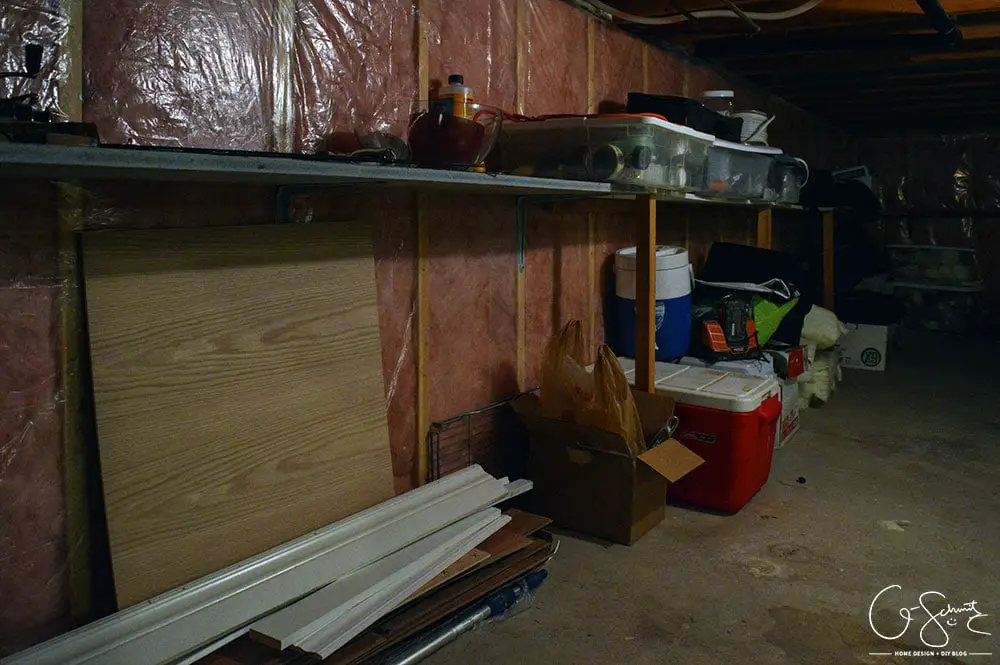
[
  {"x": 933, "y": 265},
  {"x": 634, "y": 150},
  {"x": 738, "y": 171}
]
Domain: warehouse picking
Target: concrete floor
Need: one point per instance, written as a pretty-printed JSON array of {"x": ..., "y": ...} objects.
[{"x": 790, "y": 578}]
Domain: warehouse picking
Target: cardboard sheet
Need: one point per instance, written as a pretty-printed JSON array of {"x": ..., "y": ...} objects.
[
  {"x": 239, "y": 394},
  {"x": 671, "y": 460}
]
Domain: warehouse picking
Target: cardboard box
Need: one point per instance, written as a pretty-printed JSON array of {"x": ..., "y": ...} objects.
[
  {"x": 863, "y": 347},
  {"x": 587, "y": 480},
  {"x": 789, "y": 363},
  {"x": 789, "y": 423}
]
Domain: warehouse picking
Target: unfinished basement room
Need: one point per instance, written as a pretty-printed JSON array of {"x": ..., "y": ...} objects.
[{"x": 534, "y": 332}]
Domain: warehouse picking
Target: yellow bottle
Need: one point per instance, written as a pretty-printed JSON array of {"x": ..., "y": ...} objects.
[{"x": 456, "y": 98}]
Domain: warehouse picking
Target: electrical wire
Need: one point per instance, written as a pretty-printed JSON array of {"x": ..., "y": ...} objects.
[{"x": 707, "y": 13}]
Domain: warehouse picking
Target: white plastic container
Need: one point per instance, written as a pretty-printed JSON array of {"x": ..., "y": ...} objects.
[
  {"x": 638, "y": 151},
  {"x": 738, "y": 171}
]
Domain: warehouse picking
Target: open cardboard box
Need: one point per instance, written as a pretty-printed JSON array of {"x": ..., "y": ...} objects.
[{"x": 587, "y": 480}]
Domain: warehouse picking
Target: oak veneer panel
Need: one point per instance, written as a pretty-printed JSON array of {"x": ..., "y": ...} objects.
[{"x": 239, "y": 394}]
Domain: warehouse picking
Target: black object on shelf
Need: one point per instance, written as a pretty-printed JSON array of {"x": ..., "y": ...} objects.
[
  {"x": 729, "y": 262},
  {"x": 875, "y": 309},
  {"x": 689, "y": 112},
  {"x": 823, "y": 191}
]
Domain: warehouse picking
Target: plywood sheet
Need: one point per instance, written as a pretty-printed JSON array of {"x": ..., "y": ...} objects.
[{"x": 239, "y": 394}]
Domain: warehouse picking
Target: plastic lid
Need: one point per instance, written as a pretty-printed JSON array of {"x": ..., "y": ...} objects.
[
  {"x": 667, "y": 258},
  {"x": 611, "y": 119},
  {"x": 718, "y": 94},
  {"x": 743, "y": 147},
  {"x": 457, "y": 79}
]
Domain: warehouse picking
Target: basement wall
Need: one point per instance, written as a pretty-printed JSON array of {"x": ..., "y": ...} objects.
[
  {"x": 461, "y": 326},
  {"x": 947, "y": 174}
]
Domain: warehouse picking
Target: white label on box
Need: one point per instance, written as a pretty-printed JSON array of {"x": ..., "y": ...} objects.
[{"x": 863, "y": 347}]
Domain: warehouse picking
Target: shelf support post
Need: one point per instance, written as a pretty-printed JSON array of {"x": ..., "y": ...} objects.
[
  {"x": 828, "y": 246},
  {"x": 645, "y": 294},
  {"x": 765, "y": 228}
]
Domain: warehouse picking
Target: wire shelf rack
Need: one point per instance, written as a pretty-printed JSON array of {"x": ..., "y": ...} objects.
[{"x": 492, "y": 437}]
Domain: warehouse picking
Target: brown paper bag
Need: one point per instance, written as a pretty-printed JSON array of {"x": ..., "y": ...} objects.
[
  {"x": 567, "y": 387},
  {"x": 600, "y": 398},
  {"x": 614, "y": 407}
]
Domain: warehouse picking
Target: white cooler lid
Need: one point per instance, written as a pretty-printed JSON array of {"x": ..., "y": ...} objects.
[
  {"x": 709, "y": 388},
  {"x": 667, "y": 258}
]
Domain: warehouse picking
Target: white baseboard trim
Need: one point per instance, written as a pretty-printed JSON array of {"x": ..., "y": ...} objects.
[
  {"x": 179, "y": 622},
  {"x": 293, "y": 624},
  {"x": 401, "y": 586}
]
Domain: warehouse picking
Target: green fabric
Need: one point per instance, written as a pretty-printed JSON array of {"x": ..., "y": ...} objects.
[{"x": 767, "y": 316}]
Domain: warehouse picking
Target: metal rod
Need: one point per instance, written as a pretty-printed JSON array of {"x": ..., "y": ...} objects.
[
  {"x": 742, "y": 14},
  {"x": 439, "y": 638},
  {"x": 692, "y": 19},
  {"x": 941, "y": 20},
  {"x": 468, "y": 440},
  {"x": 770, "y": 47},
  {"x": 494, "y": 605}
]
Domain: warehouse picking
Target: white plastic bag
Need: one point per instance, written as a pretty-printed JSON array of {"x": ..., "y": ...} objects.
[{"x": 822, "y": 328}]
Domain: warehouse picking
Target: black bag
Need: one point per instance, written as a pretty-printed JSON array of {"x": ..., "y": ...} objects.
[{"x": 729, "y": 262}]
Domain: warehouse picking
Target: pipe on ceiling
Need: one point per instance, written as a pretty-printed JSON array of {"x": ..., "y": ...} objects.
[
  {"x": 941, "y": 20},
  {"x": 705, "y": 14}
]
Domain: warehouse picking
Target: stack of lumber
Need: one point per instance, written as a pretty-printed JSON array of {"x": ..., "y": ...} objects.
[
  {"x": 327, "y": 619},
  {"x": 517, "y": 549},
  {"x": 315, "y": 592}
]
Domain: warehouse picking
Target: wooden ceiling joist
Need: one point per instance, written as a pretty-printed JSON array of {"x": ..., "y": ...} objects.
[
  {"x": 771, "y": 49},
  {"x": 878, "y": 65},
  {"x": 852, "y": 78},
  {"x": 973, "y": 84}
]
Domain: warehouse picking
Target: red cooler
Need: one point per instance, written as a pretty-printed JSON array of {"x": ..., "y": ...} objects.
[{"x": 730, "y": 420}]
